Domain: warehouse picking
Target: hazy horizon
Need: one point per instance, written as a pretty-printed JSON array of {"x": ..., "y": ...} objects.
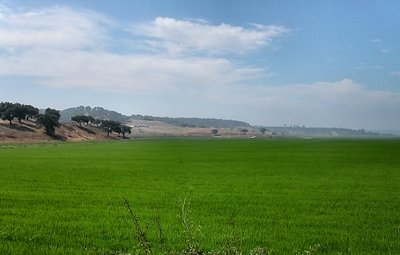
[{"x": 269, "y": 63}]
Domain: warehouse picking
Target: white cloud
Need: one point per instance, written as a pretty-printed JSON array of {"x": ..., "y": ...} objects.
[
  {"x": 178, "y": 36},
  {"x": 58, "y": 27},
  {"x": 65, "y": 47},
  {"x": 396, "y": 73},
  {"x": 344, "y": 103}
]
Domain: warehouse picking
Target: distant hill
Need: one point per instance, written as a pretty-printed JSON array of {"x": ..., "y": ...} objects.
[
  {"x": 194, "y": 122},
  {"x": 96, "y": 112},
  {"x": 101, "y": 113},
  {"x": 286, "y": 131},
  {"x": 298, "y": 131}
]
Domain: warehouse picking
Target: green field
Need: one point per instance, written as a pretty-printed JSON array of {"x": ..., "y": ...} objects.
[{"x": 337, "y": 196}]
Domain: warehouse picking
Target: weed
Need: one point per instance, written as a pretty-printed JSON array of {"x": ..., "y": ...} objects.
[
  {"x": 231, "y": 246},
  {"x": 160, "y": 231},
  {"x": 189, "y": 228},
  {"x": 140, "y": 234}
]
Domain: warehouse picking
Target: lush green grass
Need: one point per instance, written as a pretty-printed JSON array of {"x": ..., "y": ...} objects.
[{"x": 340, "y": 195}]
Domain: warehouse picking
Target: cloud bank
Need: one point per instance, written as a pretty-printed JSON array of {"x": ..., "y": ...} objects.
[
  {"x": 343, "y": 103},
  {"x": 64, "y": 47}
]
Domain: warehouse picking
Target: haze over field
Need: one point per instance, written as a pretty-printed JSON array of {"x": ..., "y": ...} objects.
[{"x": 314, "y": 63}]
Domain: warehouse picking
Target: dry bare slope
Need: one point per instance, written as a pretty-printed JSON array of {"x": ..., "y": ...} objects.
[
  {"x": 146, "y": 128},
  {"x": 28, "y": 131}
]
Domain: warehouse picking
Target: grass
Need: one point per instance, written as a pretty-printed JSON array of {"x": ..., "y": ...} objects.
[{"x": 291, "y": 196}]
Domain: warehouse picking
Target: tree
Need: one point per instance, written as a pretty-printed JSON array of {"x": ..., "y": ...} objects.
[
  {"x": 214, "y": 131},
  {"x": 244, "y": 131},
  {"x": 49, "y": 120},
  {"x": 90, "y": 119},
  {"x": 19, "y": 111},
  {"x": 263, "y": 130},
  {"x": 125, "y": 129},
  {"x": 106, "y": 125},
  {"x": 79, "y": 119},
  {"x": 31, "y": 112},
  {"x": 6, "y": 111},
  {"x": 111, "y": 126},
  {"x": 83, "y": 119},
  {"x": 96, "y": 122}
]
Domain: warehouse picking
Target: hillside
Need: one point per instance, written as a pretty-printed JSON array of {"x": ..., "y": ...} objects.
[
  {"x": 154, "y": 128},
  {"x": 27, "y": 131}
]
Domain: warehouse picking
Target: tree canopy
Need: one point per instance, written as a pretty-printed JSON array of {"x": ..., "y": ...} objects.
[
  {"x": 110, "y": 126},
  {"x": 263, "y": 130},
  {"x": 125, "y": 129},
  {"x": 214, "y": 131},
  {"x": 9, "y": 111},
  {"x": 50, "y": 120},
  {"x": 83, "y": 119}
]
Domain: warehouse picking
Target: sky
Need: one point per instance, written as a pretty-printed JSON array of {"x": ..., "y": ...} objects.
[{"x": 270, "y": 63}]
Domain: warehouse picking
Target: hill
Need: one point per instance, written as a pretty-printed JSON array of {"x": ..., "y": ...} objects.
[
  {"x": 101, "y": 113},
  {"x": 194, "y": 122},
  {"x": 96, "y": 112}
]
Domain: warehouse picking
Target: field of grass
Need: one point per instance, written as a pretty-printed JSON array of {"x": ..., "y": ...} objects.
[{"x": 335, "y": 196}]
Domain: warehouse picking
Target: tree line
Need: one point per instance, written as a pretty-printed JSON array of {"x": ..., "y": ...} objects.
[
  {"x": 10, "y": 111},
  {"x": 108, "y": 125},
  {"x": 50, "y": 119}
]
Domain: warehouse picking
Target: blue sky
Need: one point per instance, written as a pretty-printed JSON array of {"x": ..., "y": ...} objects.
[{"x": 313, "y": 63}]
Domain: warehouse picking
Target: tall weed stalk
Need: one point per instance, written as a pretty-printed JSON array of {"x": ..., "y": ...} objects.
[{"x": 232, "y": 244}]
